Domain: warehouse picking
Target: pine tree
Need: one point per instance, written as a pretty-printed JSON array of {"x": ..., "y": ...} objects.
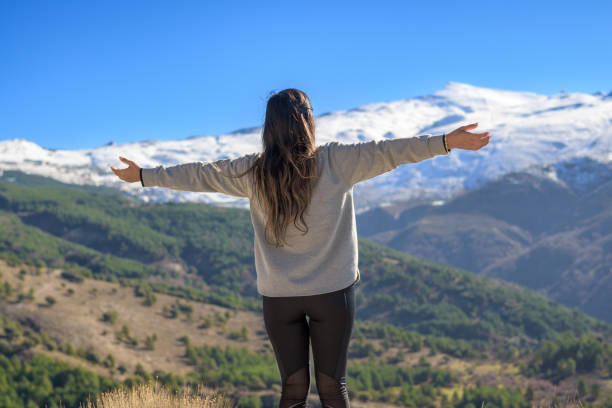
[{"x": 581, "y": 388}]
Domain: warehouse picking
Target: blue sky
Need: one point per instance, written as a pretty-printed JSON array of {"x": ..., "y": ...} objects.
[{"x": 82, "y": 73}]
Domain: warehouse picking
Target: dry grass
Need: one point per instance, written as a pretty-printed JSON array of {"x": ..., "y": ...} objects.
[
  {"x": 153, "y": 395},
  {"x": 77, "y": 319}
]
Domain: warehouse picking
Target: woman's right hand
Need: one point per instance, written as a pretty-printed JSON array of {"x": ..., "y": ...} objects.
[
  {"x": 131, "y": 174},
  {"x": 460, "y": 138}
]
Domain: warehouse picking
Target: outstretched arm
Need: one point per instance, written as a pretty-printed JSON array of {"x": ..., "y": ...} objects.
[
  {"x": 219, "y": 176},
  {"x": 357, "y": 162}
]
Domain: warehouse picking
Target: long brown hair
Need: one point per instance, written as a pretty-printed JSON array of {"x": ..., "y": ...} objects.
[{"x": 285, "y": 172}]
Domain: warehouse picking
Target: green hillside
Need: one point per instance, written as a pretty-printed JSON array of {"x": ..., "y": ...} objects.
[
  {"x": 109, "y": 237},
  {"x": 552, "y": 236},
  {"x": 204, "y": 254}
]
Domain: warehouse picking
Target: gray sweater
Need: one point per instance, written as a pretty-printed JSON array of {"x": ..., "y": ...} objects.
[{"x": 325, "y": 259}]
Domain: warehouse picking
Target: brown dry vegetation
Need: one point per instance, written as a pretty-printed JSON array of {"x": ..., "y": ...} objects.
[
  {"x": 154, "y": 395},
  {"x": 77, "y": 319}
]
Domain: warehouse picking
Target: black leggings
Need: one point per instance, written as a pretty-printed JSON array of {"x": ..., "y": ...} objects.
[{"x": 330, "y": 324}]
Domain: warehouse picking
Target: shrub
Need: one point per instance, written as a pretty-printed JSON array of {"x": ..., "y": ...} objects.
[
  {"x": 150, "y": 341},
  {"x": 244, "y": 333},
  {"x": 12, "y": 331},
  {"x": 110, "y": 317},
  {"x": 7, "y": 289},
  {"x": 170, "y": 312},
  {"x": 68, "y": 349},
  {"x": 249, "y": 401},
  {"x": 91, "y": 355},
  {"x": 364, "y": 349},
  {"x": 125, "y": 331},
  {"x": 206, "y": 323},
  {"x": 49, "y": 343},
  {"x": 72, "y": 277},
  {"x": 109, "y": 361},
  {"x": 141, "y": 372},
  {"x": 234, "y": 335},
  {"x": 185, "y": 308},
  {"x": 594, "y": 390},
  {"x": 26, "y": 297},
  {"x": 529, "y": 393},
  {"x": 150, "y": 299}
]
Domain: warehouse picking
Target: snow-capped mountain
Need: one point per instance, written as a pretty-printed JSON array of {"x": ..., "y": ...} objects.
[{"x": 527, "y": 130}]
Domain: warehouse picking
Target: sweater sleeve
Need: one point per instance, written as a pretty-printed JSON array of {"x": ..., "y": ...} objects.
[
  {"x": 219, "y": 176},
  {"x": 361, "y": 161}
]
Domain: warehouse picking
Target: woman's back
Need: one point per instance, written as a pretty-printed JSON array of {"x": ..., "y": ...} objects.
[
  {"x": 322, "y": 260},
  {"x": 325, "y": 258}
]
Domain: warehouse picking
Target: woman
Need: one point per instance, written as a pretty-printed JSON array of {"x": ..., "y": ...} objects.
[{"x": 301, "y": 203}]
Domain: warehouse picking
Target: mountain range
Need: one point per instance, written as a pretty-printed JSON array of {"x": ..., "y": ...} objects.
[
  {"x": 527, "y": 129},
  {"x": 552, "y": 234}
]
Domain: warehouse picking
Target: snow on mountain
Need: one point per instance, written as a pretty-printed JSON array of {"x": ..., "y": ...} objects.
[
  {"x": 579, "y": 174},
  {"x": 527, "y": 130}
]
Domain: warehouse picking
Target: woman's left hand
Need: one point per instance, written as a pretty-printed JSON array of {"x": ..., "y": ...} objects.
[{"x": 131, "y": 174}]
